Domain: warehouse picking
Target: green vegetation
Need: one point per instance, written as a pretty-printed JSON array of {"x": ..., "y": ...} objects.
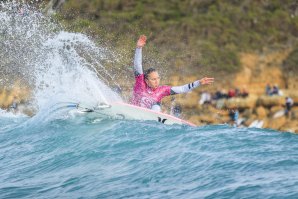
[
  {"x": 291, "y": 63},
  {"x": 200, "y": 34}
]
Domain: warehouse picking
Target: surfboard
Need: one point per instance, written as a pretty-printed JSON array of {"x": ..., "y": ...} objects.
[{"x": 124, "y": 111}]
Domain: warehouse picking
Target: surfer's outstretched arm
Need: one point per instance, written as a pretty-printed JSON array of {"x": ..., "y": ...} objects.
[
  {"x": 138, "y": 68},
  {"x": 188, "y": 87}
]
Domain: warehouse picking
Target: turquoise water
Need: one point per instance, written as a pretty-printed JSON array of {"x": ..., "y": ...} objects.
[{"x": 78, "y": 158}]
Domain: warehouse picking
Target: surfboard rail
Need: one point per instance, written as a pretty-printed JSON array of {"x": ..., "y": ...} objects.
[{"x": 121, "y": 110}]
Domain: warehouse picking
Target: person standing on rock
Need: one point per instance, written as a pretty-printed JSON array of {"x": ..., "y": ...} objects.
[
  {"x": 268, "y": 89},
  {"x": 289, "y": 104},
  {"x": 147, "y": 92},
  {"x": 234, "y": 116}
]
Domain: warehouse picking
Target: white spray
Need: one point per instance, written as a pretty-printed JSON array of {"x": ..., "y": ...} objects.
[{"x": 60, "y": 66}]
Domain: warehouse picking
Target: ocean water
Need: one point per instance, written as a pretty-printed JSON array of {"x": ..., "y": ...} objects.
[
  {"x": 58, "y": 154},
  {"x": 75, "y": 157}
]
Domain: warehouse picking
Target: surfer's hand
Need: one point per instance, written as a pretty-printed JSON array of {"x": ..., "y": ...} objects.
[
  {"x": 206, "y": 80},
  {"x": 142, "y": 41}
]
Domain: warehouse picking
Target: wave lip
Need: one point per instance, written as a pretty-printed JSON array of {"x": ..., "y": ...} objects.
[{"x": 57, "y": 65}]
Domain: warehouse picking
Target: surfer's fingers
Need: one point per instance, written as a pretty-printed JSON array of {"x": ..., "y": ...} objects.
[
  {"x": 143, "y": 38},
  {"x": 209, "y": 78},
  {"x": 142, "y": 41}
]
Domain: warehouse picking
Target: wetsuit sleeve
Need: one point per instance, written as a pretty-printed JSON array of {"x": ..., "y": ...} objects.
[
  {"x": 137, "y": 64},
  {"x": 185, "y": 88}
]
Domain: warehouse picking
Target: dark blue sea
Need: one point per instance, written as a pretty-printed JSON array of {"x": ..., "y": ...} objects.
[{"x": 80, "y": 158}]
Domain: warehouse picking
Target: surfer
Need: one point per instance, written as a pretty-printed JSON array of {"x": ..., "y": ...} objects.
[{"x": 147, "y": 92}]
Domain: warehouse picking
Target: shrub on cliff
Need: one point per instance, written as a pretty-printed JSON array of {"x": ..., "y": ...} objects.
[
  {"x": 224, "y": 27},
  {"x": 290, "y": 65}
]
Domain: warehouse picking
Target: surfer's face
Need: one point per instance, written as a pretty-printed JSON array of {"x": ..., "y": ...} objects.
[{"x": 153, "y": 80}]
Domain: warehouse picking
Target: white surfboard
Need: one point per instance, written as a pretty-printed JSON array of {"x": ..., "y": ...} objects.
[{"x": 123, "y": 111}]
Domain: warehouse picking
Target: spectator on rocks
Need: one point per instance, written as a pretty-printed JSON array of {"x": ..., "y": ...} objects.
[
  {"x": 268, "y": 89},
  {"x": 244, "y": 92},
  {"x": 220, "y": 95},
  {"x": 224, "y": 94},
  {"x": 234, "y": 115},
  {"x": 289, "y": 104},
  {"x": 275, "y": 90},
  {"x": 231, "y": 93},
  {"x": 237, "y": 92},
  {"x": 205, "y": 98},
  {"x": 217, "y": 95}
]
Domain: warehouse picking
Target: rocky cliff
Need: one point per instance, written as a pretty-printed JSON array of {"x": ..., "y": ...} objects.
[{"x": 258, "y": 71}]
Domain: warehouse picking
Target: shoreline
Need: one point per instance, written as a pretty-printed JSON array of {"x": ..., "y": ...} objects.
[{"x": 258, "y": 111}]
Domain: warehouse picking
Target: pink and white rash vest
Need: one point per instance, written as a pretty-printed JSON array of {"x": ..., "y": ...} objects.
[{"x": 146, "y": 97}]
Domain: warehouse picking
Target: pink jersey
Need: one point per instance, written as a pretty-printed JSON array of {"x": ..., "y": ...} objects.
[{"x": 146, "y": 97}]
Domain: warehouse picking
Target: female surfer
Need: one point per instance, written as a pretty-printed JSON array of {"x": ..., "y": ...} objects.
[{"x": 147, "y": 92}]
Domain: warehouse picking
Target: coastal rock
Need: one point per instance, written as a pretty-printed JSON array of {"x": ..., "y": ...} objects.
[
  {"x": 195, "y": 119},
  {"x": 241, "y": 103},
  {"x": 293, "y": 115},
  {"x": 209, "y": 119},
  {"x": 290, "y": 126},
  {"x": 266, "y": 122},
  {"x": 292, "y": 93},
  {"x": 294, "y": 112},
  {"x": 275, "y": 109},
  {"x": 269, "y": 101},
  {"x": 204, "y": 116},
  {"x": 189, "y": 100},
  {"x": 250, "y": 120},
  {"x": 258, "y": 70},
  {"x": 261, "y": 112},
  {"x": 175, "y": 80},
  {"x": 247, "y": 113},
  {"x": 295, "y": 109},
  {"x": 277, "y": 123},
  {"x": 294, "y": 96},
  {"x": 18, "y": 92},
  {"x": 3, "y": 96}
]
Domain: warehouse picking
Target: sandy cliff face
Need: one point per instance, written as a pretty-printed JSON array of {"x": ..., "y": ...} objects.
[
  {"x": 17, "y": 92},
  {"x": 261, "y": 69},
  {"x": 258, "y": 71}
]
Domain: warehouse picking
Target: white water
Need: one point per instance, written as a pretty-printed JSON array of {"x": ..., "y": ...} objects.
[
  {"x": 62, "y": 74},
  {"x": 58, "y": 65}
]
